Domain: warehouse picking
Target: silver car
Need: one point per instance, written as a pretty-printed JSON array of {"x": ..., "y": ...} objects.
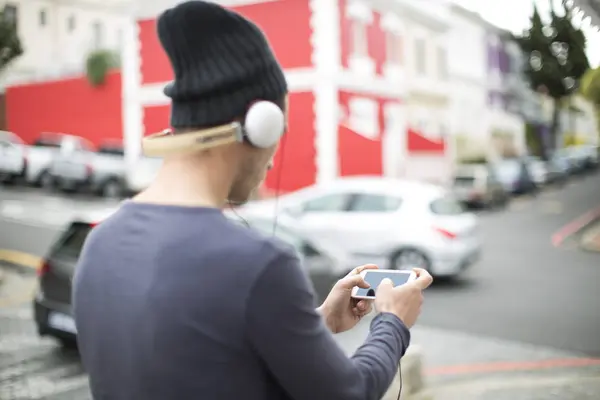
[
  {"x": 71, "y": 167},
  {"x": 13, "y": 161},
  {"x": 409, "y": 224}
]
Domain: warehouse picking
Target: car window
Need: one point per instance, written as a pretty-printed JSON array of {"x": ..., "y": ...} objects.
[
  {"x": 71, "y": 242},
  {"x": 374, "y": 203},
  {"x": 115, "y": 151},
  {"x": 327, "y": 203},
  {"x": 464, "y": 180},
  {"x": 46, "y": 143},
  {"x": 446, "y": 206}
]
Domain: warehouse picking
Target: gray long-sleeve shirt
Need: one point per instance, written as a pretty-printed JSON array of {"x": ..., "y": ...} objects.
[{"x": 181, "y": 303}]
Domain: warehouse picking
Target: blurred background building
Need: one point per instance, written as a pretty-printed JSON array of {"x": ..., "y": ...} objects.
[
  {"x": 400, "y": 88},
  {"x": 57, "y": 35}
]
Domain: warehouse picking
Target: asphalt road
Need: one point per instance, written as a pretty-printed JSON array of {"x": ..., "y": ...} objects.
[
  {"x": 30, "y": 219},
  {"x": 526, "y": 300},
  {"x": 524, "y": 289}
]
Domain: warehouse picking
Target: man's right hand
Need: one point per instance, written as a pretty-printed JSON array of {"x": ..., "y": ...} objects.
[{"x": 403, "y": 301}]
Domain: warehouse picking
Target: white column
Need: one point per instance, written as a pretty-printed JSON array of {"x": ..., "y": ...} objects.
[
  {"x": 131, "y": 83},
  {"x": 326, "y": 57},
  {"x": 394, "y": 139}
]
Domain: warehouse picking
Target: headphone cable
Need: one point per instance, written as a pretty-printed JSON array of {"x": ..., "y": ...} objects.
[
  {"x": 278, "y": 182},
  {"x": 400, "y": 378}
]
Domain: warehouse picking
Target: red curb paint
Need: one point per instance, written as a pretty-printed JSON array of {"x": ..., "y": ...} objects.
[
  {"x": 572, "y": 227},
  {"x": 511, "y": 366}
]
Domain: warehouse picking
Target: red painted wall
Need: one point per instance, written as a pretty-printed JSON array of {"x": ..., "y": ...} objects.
[
  {"x": 294, "y": 165},
  {"x": 285, "y": 22},
  {"x": 70, "y": 106},
  {"x": 295, "y": 161},
  {"x": 376, "y": 38},
  {"x": 359, "y": 155},
  {"x": 418, "y": 143}
]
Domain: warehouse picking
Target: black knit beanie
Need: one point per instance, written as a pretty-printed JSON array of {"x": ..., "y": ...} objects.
[{"x": 222, "y": 63}]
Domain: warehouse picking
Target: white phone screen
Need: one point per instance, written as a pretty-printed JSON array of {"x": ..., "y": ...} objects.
[{"x": 374, "y": 278}]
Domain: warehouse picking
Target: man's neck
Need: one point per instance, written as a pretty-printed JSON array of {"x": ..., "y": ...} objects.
[{"x": 187, "y": 182}]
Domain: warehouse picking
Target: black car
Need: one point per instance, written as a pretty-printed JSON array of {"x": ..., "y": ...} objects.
[{"x": 52, "y": 303}]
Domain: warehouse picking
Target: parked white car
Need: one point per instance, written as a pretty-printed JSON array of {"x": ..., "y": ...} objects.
[
  {"x": 70, "y": 167},
  {"x": 13, "y": 154},
  {"x": 411, "y": 224},
  {"x": 40, "y": 156}
]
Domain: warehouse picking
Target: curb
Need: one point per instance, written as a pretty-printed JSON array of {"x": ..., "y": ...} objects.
[
  {"x": 580, "y": 224},
  {"x": 21, "y": 262},
  {"x": 412, "y": 377}
]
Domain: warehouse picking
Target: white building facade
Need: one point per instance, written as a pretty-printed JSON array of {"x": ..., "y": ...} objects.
[
  {"x": 425, "y": 34},
  {"x": 57, "y": 35},
  {"x": 468, "y": 67}
]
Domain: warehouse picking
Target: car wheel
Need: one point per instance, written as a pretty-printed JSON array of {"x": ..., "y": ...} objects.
[
  {"x": 410, "y": 258},
  {"x": 112, "y": 189},
  {"x": 46, "y": 181},
  {"x": 5, "y": 177}
]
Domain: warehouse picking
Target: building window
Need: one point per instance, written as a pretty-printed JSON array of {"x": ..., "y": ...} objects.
[
  {"x": 97, "y": 35},
  {"x": 359, "y": 38},
  {"x": 11, "y": 14},
  {"x": 43, "y": 18},
  {"x": 420, "y": 57},
  {"x": 442, "y": 63},
  {"x": 71, "y": 23},
  {"x": 394, "y": 48},
  {"x": 363, "y": 117}
]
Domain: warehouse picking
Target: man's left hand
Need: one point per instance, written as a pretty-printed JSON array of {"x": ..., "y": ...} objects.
[{"x": 340, "y": 311}]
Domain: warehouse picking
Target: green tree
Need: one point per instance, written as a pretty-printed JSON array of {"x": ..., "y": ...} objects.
[
  {"x": 98, "y": 64},
  {"x": 557, "y": 59},
  {"x": 590, "y": 86},
  {"x": 10, "y": 45}
]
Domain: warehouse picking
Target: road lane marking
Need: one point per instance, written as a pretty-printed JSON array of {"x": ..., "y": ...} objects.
[
  {"x": 512, "y": 366},
  {"x": 574, "y": 226},
  {"x": 20, "y": 258},
  {"x": 482, "y": 386}
]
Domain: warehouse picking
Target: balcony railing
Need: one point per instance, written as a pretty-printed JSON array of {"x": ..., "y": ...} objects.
[{"x": 591, "y": 8}]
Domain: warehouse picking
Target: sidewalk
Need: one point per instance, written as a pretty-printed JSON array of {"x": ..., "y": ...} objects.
[
  {"x": 459, "y": 366},
  {"x": 590, "y": 239}
]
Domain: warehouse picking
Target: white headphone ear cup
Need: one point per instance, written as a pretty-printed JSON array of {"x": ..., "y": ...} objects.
[{"x": 264, "y": 124}]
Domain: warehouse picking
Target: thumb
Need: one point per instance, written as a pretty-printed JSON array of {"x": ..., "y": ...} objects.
[
  {"x": 354, "y": 280},
  {"x": 385, "y": 286}
]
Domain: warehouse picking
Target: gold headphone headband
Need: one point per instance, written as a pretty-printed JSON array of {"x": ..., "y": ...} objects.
[{"x": 164, "y": 143}]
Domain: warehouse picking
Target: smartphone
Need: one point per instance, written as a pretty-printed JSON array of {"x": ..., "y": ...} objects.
[{"x": 374, "y": 277}]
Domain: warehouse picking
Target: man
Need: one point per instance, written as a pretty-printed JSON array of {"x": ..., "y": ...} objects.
[{"x": 173, "y": 301}]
